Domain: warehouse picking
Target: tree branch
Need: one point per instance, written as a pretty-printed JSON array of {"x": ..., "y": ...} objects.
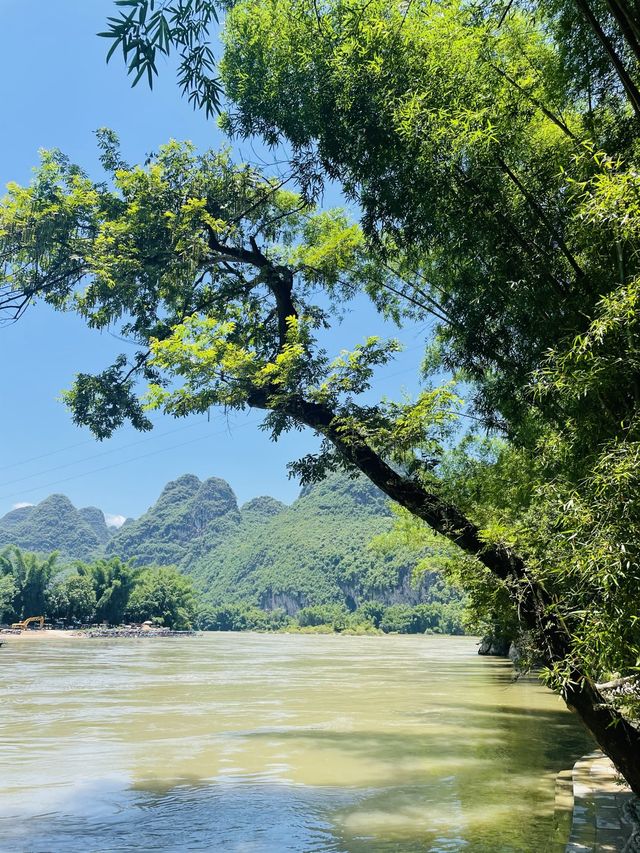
[
  {"x": 551, "y": 116},
  {"x": 278, "y": 279},
  {"x": 629, "y": 86},
  {"x": 536, "y": 207}
]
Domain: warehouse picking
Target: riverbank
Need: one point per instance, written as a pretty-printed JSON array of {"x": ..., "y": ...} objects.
[
  {"x": 133, "y": 633},
  {"x": 89, "y": 633},
  {"x": 8, "y": 634},
  {"x": 603, "y": 815},
  {"x": 121, "y": 631}
]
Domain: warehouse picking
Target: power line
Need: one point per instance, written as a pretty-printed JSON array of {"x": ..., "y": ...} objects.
[
  {"x": 102, "y": 453},
  {"x": 44, "y": 455},
  {"x": 132, "y": 444},
  {"x": 153, "y": 435},
  {"x": 124, "y": 462}
]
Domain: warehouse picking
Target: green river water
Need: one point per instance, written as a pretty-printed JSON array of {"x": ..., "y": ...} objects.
[{"x": 253, "y": 743}]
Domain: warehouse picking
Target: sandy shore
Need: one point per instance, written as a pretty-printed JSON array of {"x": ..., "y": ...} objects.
[{"x": 10, "y": 636}]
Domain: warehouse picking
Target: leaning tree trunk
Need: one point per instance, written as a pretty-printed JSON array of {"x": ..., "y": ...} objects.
[
  {"x": 620, "y": 742},
  {"x": 614, "y": 734}
]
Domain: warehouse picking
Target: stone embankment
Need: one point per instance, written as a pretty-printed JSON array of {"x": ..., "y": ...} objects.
[
  {"x": 605, "y": 815},
  {"x": 132, "y": 632}
]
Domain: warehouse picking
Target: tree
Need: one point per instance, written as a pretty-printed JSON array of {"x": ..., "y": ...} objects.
[
  {"x": 494, "y": 154},
  {"x": 599, "y": 42},
  {"x": 30, "y": 576},
  {"x": 148, "y": 28},
  {"x": 372, "y": 611},
  {"x": 214, "y": 268},
  {"x": 72, "y": 598},
  {"x": 488, "y": 608},
  {"x": 165, "y": 596},
  {"x": 112, "y": 582},
  {"x": 335, "y": 615},
  {"x": 7, "y": 595}
]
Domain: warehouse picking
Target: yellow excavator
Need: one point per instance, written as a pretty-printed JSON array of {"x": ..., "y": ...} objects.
[{"x": 22, "y": 626}]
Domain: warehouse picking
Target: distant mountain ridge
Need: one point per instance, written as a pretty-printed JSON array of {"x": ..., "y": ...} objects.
[
  {"x": 56, "y": 525},
  {"x": 315, "y": 551},
  {"x": 186, "y": 510}
]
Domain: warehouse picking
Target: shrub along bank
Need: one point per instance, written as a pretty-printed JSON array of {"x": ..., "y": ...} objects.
[
  {"x": 115, "y": 592},
  {"x": 368, "y": 618},
  {"x": 105, "y": 591}
]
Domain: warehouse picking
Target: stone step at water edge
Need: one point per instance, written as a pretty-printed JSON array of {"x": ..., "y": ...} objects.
[{"x": 605, "y": 814}]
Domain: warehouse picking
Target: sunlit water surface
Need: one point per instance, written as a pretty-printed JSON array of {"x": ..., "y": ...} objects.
[{"x": 275, "y": 743}]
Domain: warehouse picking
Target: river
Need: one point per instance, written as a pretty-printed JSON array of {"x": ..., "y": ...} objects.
[{"x": 254, "y": 743}]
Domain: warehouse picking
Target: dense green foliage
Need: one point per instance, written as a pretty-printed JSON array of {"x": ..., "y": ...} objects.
[
  {"x": 371, "y": 616},
  {"x": 164, "y": 596},
  {"x": 496, "y": 153},
  {"x": 112, "y": 592},
  {"x": 113, "y": 582},
  {"x": 263, "y": 554},
  {"x": 493, "y": 153},
  {"x": 507, "y": 190},
  {"x": 106, "y": 591},
  {"x": 488, "y": 608},
  {"x": 239, "y": 617},
  {"x": 26, "y": 580},
  {"x": 314, "y": 552},
  {"x": 186, "y": 512},
  {"x": 72, "y": 599},
  {"x": 7, "y": 595},
  {"x": 437, "y": 617}
]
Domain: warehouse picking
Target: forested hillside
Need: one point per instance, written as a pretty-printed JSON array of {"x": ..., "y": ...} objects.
[
  {"x": 188, "y": 511},
  {"x": 316, "y": 551},
  {"x": 56, "y": 525}
]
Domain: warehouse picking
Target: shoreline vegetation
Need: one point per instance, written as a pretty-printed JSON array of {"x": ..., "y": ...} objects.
[
  {"x": 334, "y": 546},
  {"x": 110, "y": 594},
  {"x": 124, "y": 632},
  {"x": 375, "y": 620}
]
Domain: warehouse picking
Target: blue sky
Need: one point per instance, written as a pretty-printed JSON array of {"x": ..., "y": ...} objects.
[{"x": 56, "y": 89}]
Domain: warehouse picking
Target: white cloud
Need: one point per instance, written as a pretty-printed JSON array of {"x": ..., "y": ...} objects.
[
  {"x": 114, "y": 520},
  {"x": 21, "y": 505}
]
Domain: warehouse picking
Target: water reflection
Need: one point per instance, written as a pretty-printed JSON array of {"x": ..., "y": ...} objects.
[{"x": 283, "y": 743}]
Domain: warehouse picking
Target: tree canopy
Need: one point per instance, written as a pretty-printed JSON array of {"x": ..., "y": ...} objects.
[
  {"x": 106, "y": 591},
  {"x": 494, "y": 149},
  {"x": 24, "y": 579}
]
